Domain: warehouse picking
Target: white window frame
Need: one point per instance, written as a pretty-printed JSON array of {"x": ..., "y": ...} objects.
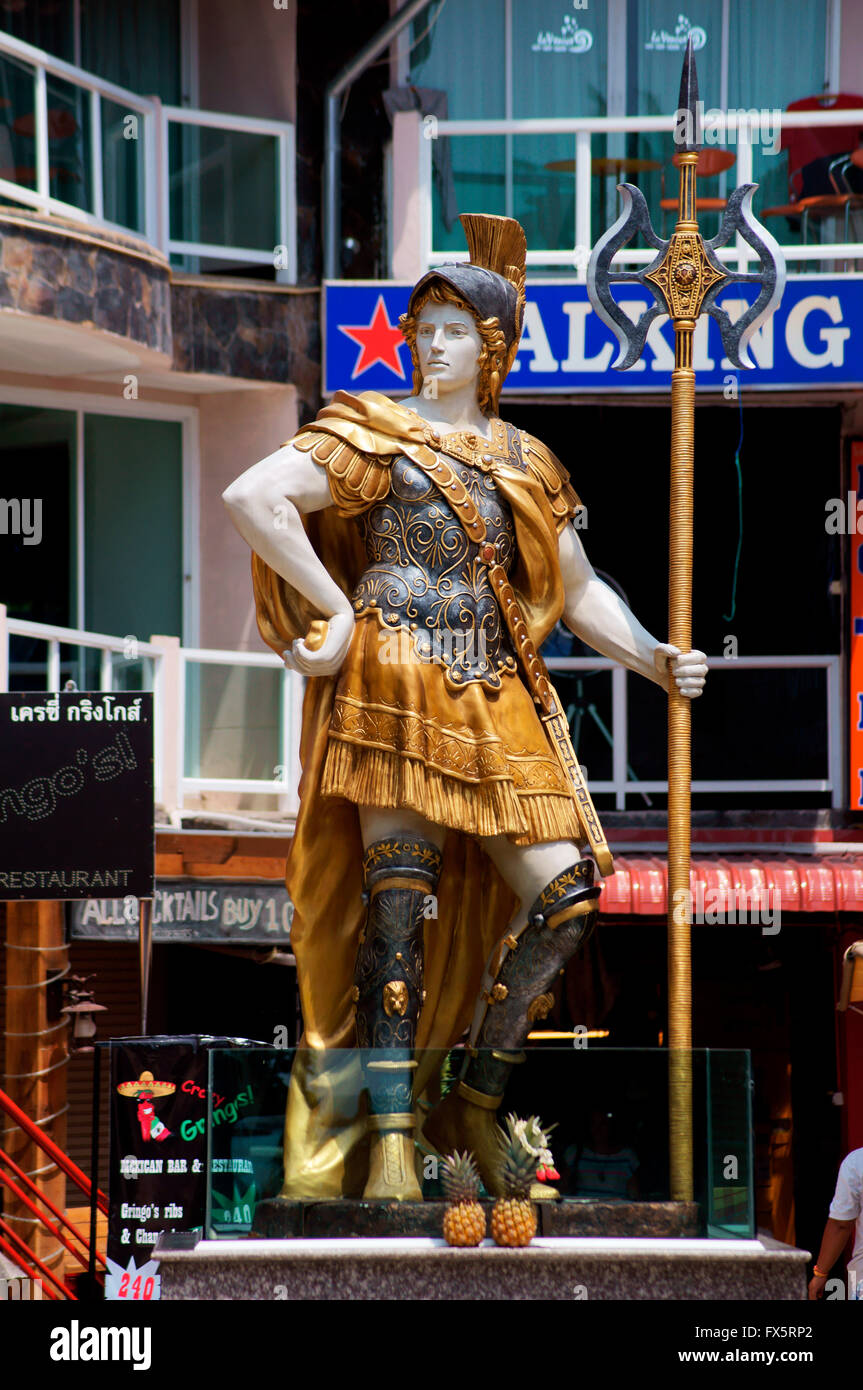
[{"x": 82, "y": 404}]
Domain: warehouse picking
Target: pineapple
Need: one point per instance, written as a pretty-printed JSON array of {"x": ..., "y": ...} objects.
[
  {"x": 513, "y": 1216},
  {"x": 464, "y": 1218}
]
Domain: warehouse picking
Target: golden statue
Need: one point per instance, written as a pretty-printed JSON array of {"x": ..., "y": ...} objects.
[{"x": 409, "y": 559}]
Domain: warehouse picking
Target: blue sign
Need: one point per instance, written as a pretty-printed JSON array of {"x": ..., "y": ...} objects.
[{"x": 815, "y": 338}]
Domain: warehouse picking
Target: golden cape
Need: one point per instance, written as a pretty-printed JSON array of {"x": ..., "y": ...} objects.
[{"x": 324, "y": 867}]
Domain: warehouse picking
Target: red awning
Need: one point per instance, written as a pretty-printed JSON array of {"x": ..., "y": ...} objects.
[{"x": 816, "y": 883}]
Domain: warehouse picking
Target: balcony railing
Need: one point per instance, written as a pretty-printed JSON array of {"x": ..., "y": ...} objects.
[
  {"x": 192, "y": 727},
  {"x": 188, "y": 731},
  {"x": 521, "y": 187},
  {"x": 194, "y": 184}
]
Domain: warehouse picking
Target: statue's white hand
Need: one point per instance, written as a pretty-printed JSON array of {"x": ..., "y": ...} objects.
[
  {"x": 326, "y": 659},
  {"x": 688, "y": 668}
]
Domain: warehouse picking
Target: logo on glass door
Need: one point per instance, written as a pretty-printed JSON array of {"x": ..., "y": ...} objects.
[
  {"x": 571, "y": 39},
  {"x": 661, "y": 41}
]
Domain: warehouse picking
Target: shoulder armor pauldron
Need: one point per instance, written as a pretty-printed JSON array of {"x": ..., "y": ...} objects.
[
  {"x": 356, "y": 479},
  {"x": 562, "y": 496}
]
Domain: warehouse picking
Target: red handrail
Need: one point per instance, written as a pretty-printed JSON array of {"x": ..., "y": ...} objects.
[
  {"x": 43, "y": 1220},
  {"x": 43, "y": 1268},
  {"x": 62, "y": 1160},
  {"x": 42, "y": 1197}
]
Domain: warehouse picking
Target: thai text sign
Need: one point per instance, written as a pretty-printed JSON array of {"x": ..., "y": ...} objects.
[
  {"x": 815, "y": 338},
  {"x": 76, "y": 795}
]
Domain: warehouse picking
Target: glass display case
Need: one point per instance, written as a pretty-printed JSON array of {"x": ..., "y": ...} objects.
[{"x": 609, "y": 1108}]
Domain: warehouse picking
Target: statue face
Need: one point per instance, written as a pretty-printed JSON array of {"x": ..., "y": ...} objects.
[{"x": 448, "y": 346}]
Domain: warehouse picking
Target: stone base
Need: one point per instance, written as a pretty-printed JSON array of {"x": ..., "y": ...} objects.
[
  {"x": 280, "y": 1219},
  {"x": 560, "y": 1268}
]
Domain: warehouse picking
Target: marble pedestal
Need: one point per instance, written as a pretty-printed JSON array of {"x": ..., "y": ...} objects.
[{"x": 561, "y": 1268}]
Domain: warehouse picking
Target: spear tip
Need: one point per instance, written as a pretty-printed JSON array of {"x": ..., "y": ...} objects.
[{"x": 687, "y": 102}]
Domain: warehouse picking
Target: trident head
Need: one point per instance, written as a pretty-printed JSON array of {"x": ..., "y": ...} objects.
[{"x": 686, "y": 276}]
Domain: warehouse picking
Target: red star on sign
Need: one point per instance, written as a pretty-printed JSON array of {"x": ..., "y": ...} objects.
[{"x": 379, "y": 342}]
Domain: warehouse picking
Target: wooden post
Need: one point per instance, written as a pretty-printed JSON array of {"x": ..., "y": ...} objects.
[{"x": 35, "y": 1060}]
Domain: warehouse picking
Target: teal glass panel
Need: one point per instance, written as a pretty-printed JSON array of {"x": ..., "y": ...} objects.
[
  {"x": 247, "y": 1096},
  {"x": 232, "y": 722},
  {"x": 17, "y": 123},
  {"x": 795, "y": 70},
  {"x": 123, "y": 153},
  {"x": 223, "y": 188},
  {"x": 69, "y": 166},
  {"x": 133, "y": 505},
  {"x": 559, "y": 63},
  {"x": 463, "y": 53},
  {"x": 135, "y": 44}
]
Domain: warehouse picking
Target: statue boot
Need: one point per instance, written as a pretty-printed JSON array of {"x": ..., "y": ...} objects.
[
  {"x": 399, "y": 874},
  {"x": 515, "y": 994}
]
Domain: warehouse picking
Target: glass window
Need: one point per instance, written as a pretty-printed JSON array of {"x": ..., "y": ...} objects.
[
  {"x": 559, "y": 69},
  {"x": 136, "y": 45},
  {"x": 133, "y": 502},
  {"x": 464, "y": 54},
  {"x": 43, "y": 23},
  {"x": 547, "y": 58},
  {"x": 795, "y": 70},
  {"x": 539, "y": 57}
]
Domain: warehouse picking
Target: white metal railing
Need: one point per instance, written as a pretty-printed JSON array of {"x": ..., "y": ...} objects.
[
  {"x": 739, "y": 126},
  {"x": 165, "y": 671},
  {"x": 149, "y": 126},
  {"x": 174, "y": 710},
  {"x": 622, "y": 784}
]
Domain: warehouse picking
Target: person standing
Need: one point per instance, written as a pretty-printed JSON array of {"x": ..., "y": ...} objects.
[{"x": 846, "y": 1215}]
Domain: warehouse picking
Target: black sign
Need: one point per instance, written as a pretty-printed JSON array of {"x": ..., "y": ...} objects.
[
  {"x": 76, "y": 795},
  {"x": 188, "y": 910},
  {"x": 158, "y": 1177}
]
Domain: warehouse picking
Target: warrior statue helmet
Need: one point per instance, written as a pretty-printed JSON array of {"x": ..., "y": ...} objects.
[{"x": 491, "y": 285}]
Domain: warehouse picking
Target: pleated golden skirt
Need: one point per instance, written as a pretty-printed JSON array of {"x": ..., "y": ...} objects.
[{"x": 475, "y": 760}]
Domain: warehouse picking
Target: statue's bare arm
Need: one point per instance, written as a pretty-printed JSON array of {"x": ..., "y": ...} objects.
[
  {"x": 266, "y": 504},
  {"x": 598, "y": 615}
]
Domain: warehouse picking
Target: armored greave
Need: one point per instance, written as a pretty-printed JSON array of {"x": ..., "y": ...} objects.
[
  {"x": 399, "y": 873},
  {"x": 517, "y": 989},
  {"x": 516, "y": 993}
]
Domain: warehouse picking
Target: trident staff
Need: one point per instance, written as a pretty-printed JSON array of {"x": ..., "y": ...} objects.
[{"x": 684, "y": 280}]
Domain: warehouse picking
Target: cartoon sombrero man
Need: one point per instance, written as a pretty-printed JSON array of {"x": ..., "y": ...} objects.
[{"x": 145, "y": 1090}]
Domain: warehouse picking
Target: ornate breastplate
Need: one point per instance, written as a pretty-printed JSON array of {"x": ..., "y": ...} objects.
[{"x": 425, "y": 576}]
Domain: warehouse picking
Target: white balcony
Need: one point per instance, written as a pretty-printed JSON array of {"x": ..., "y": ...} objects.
[
  {"x": 203, "y": 186},
  {"x": 534, "y": 159}
]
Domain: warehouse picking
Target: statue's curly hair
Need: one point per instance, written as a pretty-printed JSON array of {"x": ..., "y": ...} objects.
[{"x": 492, "y": 356}]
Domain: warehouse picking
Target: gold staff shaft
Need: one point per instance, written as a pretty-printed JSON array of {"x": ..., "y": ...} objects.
[{"x": 679, "y": 727}]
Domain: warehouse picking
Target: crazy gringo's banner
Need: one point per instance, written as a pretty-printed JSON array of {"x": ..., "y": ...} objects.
[
  {"x": 158, "y": 1177},
  {"x": 815, "y": 338},
  {"x": 76, "y": 795}
]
